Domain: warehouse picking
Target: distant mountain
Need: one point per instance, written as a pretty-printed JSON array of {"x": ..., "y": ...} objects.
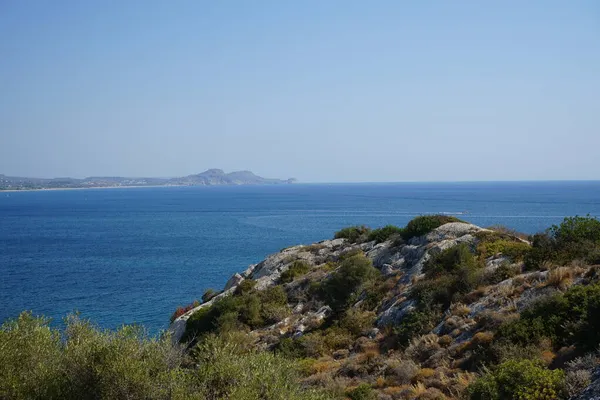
[{"x": 207, "y": 178}]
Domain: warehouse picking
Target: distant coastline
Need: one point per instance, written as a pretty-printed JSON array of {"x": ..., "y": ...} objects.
[
  {"x": 211, "y": 177},
  {"x": 54, "y": 189}
]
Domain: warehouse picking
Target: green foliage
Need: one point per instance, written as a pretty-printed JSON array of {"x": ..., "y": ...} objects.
[
  {"x": 519, "y": 380},
  {"x": 577, "y": 229},
  {"x": 298, "y": 268},
  {"x": 354, "y": 234},
  {"x": 331, "y": 336},
  {"x": 362, "y": 392},
  {"x": 316, "y": 344},
  {"x": 448, "y": 275},
  {"x": 357, "y": 322},
  {"x": 567, "y": 319},
  {"x": 424, "y": 224},
  {"x": 344, "y": 284},
  {"x": 380, "y": 235},
  {"x": 575, "y": 238},
  {"x": 414, "y": 324},
  {"x": 516, "y": 250},
  {"x": 246, "y": 309},
  {"x": 38, "y": 362},
  {"x": 82, "y": 362},
  {"x": 246, "y": 286},
  {"x": 502, "y": 273},
  {"x": 227, "y": 370}
]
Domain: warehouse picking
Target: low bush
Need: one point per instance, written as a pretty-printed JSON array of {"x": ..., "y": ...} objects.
[
  {"x": 83, "y": 362},
  {"x": 230, "y": 371},
  {"x": 448, "y": 275},
  {"x": 520, "y": 380},
  {"x": 298, "y": 268},
  {"x": 424, "y": 224},
  {"x": 380, "y": 235},
  {"x": 575, "y": 238},
  {"x": 514, "y": 249},
  {"x": 362, "y": 392},
  {"x": 503, "y": 272},
  {"x": 315, "y": 344},
  {"x": 246, "y": 286},
  {"x": 566, "y": 319},
  {"x": 415, "y": 323},
  {"x": 354, "y": 234},
  {"x": 247, "y": 309},
  {"x": 357, "y": 322},
  {"x": 346, "y": 283}
]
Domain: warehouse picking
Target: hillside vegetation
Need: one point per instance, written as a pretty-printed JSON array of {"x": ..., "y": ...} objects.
[{"x": 439, "y": 309}]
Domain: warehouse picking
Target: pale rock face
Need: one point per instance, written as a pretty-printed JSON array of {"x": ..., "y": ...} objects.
[
  {"x": 406, "y": 259},
  {"x": 235, "y": 280},
  {"x": 492, "y": 263}
]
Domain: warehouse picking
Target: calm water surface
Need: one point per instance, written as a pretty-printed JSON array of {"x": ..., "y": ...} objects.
[{"x": 133, "y": 255}]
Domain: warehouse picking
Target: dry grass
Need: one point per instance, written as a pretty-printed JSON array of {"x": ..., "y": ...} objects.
[
  {"x": 423, "y": 374},
  {"x": 445, "y": 340},
  {"x": 418, "y": 389},
  {"x": 482, "y": 338},
  {"x": 560, "y": 277},
  {"x": 459, "y": 309},
  {"x": 324, "y": 364}
]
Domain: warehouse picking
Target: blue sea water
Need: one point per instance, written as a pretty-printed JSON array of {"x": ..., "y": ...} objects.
[{"x": 133, "y": 255}]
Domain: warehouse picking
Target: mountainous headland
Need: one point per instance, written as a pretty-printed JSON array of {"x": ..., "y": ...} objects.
[
  {"x": 438, "y": 309},
  {"x": 209, "y": 177}
]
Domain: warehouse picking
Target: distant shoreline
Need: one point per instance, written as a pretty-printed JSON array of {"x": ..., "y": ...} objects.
[{"x": 87, "y": 188}]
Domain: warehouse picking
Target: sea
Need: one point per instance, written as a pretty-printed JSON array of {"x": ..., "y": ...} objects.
[{"x": 133, "y": 255}]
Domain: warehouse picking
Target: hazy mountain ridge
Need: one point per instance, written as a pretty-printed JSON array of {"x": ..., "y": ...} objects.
[{"x": 207, "y": 178}]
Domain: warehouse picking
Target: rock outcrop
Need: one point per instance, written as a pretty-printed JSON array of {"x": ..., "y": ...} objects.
[{"x": 405, "y": 259}]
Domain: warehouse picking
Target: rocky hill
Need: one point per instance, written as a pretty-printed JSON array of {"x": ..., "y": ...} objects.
[{"x": 439, "y": 309}]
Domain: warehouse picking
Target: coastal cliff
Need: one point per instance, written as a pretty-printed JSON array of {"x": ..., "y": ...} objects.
[
  {"x": 439, "y": 309},
  {"x": 432, "y": 310}
]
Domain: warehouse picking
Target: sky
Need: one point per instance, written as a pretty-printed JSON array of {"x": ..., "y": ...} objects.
[{"x": 323, "y": 91}]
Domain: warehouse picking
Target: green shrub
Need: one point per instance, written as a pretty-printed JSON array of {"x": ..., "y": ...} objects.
[
  {"x": 83, "y": 362},
  {"x": 451, "y": 261},
  {"x": 575, "y": 238},
  {"x": 357, "y": 322},
  {"x": 345, "y": 283},
  {"x": 246, "y": 309},
  {"x": 519, "y": 380},
  {"x": 515, "y": 250},
  {"x": 503, "y": 272},
  {"x": 298, "y": 268},
  {"x": 228, "y": 370},
  {"x": 39, "y": 362},
  {"x": 246, "y": 286},
  {"x": 380, "y": 235},
  {"x": 577, "y": 229},
  {"x": 414, "y": 324},
  {"x": 362, "y": 392},
  {"x": 424, "y": 224},
  {"x": 289, "y": 348},
  {"x": 354, "y": 234},
  {"x": 567, "y": 319},
  {"x": 448, "y": 275}
]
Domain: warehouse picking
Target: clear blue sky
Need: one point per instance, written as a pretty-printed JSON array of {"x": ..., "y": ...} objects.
[{"x": 325, "y": 91}]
